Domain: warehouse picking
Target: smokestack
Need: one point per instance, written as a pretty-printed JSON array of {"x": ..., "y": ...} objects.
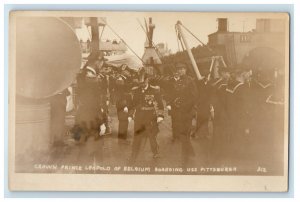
[{"x": 222, "y": 25}]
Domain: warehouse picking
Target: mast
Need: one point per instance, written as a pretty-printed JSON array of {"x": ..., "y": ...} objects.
[
  {"x": 95, "y": 34},
  {"x": 150, "y": 57},
  {"x": 195, "y": 67},
  {"x": 150, "y": 32},
  {"x": 94, "y": 23}
]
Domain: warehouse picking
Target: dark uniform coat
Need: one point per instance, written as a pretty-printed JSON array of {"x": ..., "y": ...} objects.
[
  {"x": 122, "y": 90},
  {"x": 218, "y": 101},
  {"x": 274, "y": 126},
  {"x": 239, "y": 114},
  {"x": 147, "y": 106},
  {"x": 90, "y": 114},
  {"x": 182, "y": 96}
]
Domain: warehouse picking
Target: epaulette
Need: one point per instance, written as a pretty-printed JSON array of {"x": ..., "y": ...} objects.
[
  {"x": 91, "y": 70},
  {"x": 155, "y": 87},
  {"x": 134, "y": 88}
]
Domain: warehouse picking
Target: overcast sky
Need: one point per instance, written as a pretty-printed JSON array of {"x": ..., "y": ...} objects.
[{"x": 201, "y": 24}]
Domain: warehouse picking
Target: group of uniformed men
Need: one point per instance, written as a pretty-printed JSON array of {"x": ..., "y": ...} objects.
[{"x": 239, "y": 102}]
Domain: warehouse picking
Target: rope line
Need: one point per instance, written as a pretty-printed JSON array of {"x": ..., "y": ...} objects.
[
  {"x": 125, "y": 43},
  {"x": 197, "y": 38},
  {"x": 153, "y": 44}
]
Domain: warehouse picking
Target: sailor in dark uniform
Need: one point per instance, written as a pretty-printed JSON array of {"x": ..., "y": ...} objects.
[
  {"x": 147, "y": 111},
  {"x": 219, "y": 115},
  {"x": 90, "y": 116},
  {"x": 274, "y": 118},
  {"x": 103, "y": 72},
  {"x": 181, "y": 99},
  {"x": 204, "y": 109},
  {"x": 261, "y": 86},
  {"x": 261, "y": 82},
  {"x": 238, "y": 113},
  {"x": 122, "y": 91},
  {"x": 219, "y": 90}
]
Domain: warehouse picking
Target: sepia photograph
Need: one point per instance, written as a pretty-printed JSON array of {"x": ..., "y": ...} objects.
[{"x": 110, "y": 100}]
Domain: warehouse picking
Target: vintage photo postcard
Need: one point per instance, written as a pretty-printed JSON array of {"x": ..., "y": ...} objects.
[{"x": 148, "y": 101}]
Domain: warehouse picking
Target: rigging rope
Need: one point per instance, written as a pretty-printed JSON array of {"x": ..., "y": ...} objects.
[
  {"x": 153, "y": 44},
  {"x": 101, "y": 33},
  {"x": 125, "y": 43},
  {"x": 197, "y": 38}
]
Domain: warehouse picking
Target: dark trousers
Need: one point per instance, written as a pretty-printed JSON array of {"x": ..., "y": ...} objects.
[
  {"x": 175, "y": 132},
  {"x": 181, "y": 125},
  {"x": 122, "y": 101},
  {"x": 142, "y": 131},
  {"x": 122, "y": 129},
  {"x": 123, "y": 125}
]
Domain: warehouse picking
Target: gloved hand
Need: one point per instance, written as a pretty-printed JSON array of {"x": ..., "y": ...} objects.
[
  {"x": 102, "y": 129},
  {"x": 169, "y": 107},
  {"x": 129, "y": 119},
  {"x": 125, "y": 109},
  {"x": 107, "y": 102},
  {"x": 159, "y": 119}
]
